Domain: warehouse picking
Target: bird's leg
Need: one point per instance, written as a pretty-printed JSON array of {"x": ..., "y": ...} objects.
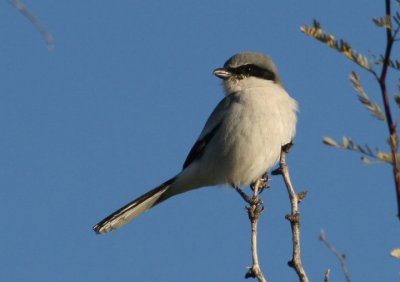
[
  {"x": 285, "y": 148},
  {"x": 261, "y": 182},
  {"x": 257, "y": 187},
  {"x": 248, "y": 199}
]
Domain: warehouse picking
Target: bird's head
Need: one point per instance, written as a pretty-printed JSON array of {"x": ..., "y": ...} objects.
[{"x": 246, "y": 70}]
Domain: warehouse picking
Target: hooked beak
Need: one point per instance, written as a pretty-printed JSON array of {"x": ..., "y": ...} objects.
[{"x": 222, "y": 73}]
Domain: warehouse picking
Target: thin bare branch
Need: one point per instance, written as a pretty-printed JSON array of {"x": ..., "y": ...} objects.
[
  {"x": 294, "y": 216},
  {"x": 35, "y": 22},
  {"x": 341, "y": 257},
  {"x": 393, "y": 137},
  {"x": 254, "y": 211}
]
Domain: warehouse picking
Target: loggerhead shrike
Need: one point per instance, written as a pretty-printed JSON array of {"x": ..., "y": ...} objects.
[{"x": 240, "y": 141}]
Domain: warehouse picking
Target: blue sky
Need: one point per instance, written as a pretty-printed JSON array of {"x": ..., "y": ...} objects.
[{"x": 113, "y": 110}]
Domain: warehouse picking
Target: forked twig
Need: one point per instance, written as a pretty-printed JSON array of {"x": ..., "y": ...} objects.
[
  {"x": 341, "y": 257},
  {"x": 294, "y": 216},
  {"x": 254, "y": 210},
  {"x": 393, "y": 136}
]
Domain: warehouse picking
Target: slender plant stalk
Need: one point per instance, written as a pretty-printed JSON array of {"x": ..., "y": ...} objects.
[
  {"x": 28, "y": 14},
  {"x": 254, "y": 211},
  {"x": 393, "y": 137},
  {"x": 341, "y": 257},
  {"x": 255, "y": 208},
  {"x": 294, "y": 216}
]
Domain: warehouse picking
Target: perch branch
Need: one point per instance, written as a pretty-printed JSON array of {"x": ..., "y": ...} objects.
[
  {"x": 254, "y": 210},
  {"x": 294, "y": 216}
]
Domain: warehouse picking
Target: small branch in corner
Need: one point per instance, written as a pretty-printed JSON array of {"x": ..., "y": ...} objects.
[
  {"x": 48, "y": 38},
  {"x": 341, "y": 257}
]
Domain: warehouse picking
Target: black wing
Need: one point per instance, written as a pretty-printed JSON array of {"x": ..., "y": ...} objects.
[
  {"x": 199, "y": 147},
  {"x": 210, "y": 129}
]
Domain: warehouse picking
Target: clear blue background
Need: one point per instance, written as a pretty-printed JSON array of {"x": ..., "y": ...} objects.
[{"x": 113, "y": 110}]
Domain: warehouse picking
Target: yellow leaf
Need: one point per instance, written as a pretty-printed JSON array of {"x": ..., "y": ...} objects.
[
  {"x": 329, "y": 141},
  {"x": 395, "y": 253}
]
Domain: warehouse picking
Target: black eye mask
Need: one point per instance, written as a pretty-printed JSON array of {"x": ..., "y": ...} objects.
[{"x": 253, "y": 70}]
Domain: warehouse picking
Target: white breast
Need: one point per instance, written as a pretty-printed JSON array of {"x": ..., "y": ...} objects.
[
  {"x": 261, "y": 122},
  {"x": 248, "y": 143}
]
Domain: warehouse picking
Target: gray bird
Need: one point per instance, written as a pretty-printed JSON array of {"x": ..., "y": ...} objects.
[{"x": 240, "y": 141}]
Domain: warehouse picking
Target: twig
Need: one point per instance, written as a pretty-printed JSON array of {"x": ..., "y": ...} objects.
[
  {"x": 294, "y": 216},
  {"x": 254, "y": 210},
  {"x": 43, "y": 31},
  {"x": 393, "y": 138},
  {"x": 327, "y": 274},
  {"x": 341, "y": 257}
]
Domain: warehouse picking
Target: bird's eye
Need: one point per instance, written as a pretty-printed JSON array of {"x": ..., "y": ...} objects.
[
  {"x": 246, "y": 70},
  {"x": 249, "y": 69}
]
